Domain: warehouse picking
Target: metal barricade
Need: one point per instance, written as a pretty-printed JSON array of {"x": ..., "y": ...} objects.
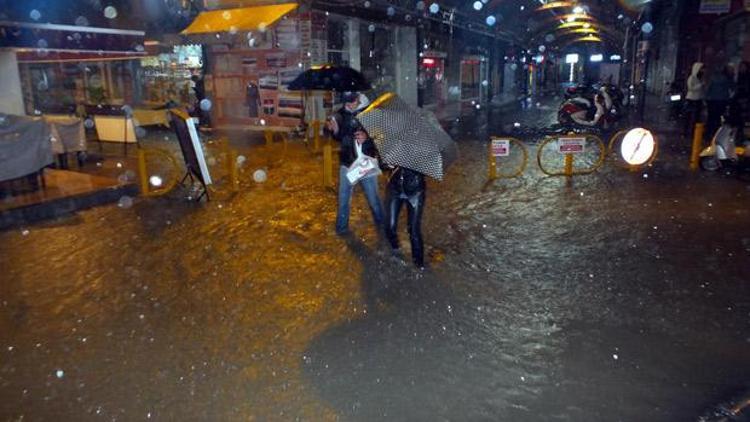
[
  {"x": 568, "y": 147},
  {"x": 500, "y": 147}
]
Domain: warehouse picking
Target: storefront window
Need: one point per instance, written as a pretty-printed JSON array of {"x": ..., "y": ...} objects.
[
  {"x": 338, "y": 42},
  {"x": 378, "y": 59},
  {"x": 470, "y": 79}
]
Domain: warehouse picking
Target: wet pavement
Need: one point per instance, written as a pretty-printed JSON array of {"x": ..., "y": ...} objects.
[{"x": 618, "y": 296}]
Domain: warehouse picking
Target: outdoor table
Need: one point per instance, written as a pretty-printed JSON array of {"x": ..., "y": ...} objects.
[
  {"x": 149, "y": 117},
  {"x": 25, "y": 147},
  {"x": 269, "y": 132},
  {"x": 67, "y": 132}
]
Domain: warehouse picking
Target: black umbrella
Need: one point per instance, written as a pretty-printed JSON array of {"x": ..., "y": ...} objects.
[{"x": 330, "y": 78}]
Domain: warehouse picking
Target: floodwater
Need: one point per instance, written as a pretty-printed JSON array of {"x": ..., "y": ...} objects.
[{"x": 617, "y": 296}]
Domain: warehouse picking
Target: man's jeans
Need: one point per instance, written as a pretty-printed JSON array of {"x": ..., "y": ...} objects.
[{"x": 370, "y": 187}]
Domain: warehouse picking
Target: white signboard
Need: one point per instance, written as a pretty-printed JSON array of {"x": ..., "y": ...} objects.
[
  {"x": 715, "y": 6},
  {"x": 500, "y": 147},
  {"x": 571, "y": 145}
]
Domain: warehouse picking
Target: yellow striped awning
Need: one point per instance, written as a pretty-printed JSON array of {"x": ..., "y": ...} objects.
[{"x": 241, "y": 19}]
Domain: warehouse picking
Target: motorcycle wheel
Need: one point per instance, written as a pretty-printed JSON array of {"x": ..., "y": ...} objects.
[{"x": 710, "y": 163}]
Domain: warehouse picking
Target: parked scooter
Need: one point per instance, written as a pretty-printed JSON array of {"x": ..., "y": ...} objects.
[
  {"x": 576, "y": 111},
  {"x": 723, "y": 149}
]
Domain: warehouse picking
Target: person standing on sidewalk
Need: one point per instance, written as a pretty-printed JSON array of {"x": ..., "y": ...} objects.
[
  {"x": 718, "y": 94},
  {"x": 695, "y": 95},
  {"x": 353, "y": 140}
]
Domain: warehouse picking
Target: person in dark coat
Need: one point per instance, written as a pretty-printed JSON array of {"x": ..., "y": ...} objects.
[
  {"x": 717, "y": 97},
  {"x": 353, "y": 139},
  {"x": 408, "y": 187},
  {"x": 252, "y": 99}
]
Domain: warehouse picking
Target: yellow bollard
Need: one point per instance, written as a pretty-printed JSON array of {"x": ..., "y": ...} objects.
[
  {"x": 233, "y": 171},
  {"x": 316, "y": 135},
  {"x": 327, "y": 165},
  {"x": 568, "y": 165},
  {"x": 492, "y": 164},
  {"x": 142, "y": 172},
  {"x": 697, "y": 145}
]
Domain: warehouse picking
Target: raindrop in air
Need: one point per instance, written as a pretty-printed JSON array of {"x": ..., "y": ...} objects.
[
  {"x": 41, "y": 43},
  {"x": 263, "y": 122},
  {"x": 205, "y": 104},
  {"x": 35, "y": 15},
  {"x": 485, "y": 82},
  {"x": 367, "y": 4},
  {"x": 82, "y": 21},
  {"x": 88, "y": 123},
  {"x": 420, "y": 5},
  {"x": 140, "y": 132},
  {"x": 155, "y": 181},
  {"x": 241, "y": 160},
  {"x": 260, "y": 176},
  {"x": 60, "y": 373},
  {"x": 549, "y": 38},
  {"x": 407, "y": 18},
  {"x": 125, "y": 202},
  {"x": 647, "y": 28},
  {"x": 371, "y": 28},
  {"x": 478, "y": 5},
  {"x": 542, "y": 49},
  {"x": 391, "y": 11},
  {"x": 491, "y": 20},
  {"x": 110, "y": 12},
  {"x": 434, "y": 8}
]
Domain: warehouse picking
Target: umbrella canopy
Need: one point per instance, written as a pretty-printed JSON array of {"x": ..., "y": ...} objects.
[
  {"x": 408, "y": 136},
  {"x": 330, "y": 78}
]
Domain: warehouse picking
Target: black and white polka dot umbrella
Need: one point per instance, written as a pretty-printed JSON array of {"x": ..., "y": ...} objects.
[{"x": 408, "y": 136}]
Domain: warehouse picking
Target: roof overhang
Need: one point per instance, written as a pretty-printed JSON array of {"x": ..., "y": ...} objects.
[{"x": 241, "y": 19}]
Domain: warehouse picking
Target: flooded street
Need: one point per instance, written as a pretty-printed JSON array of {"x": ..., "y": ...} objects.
[{"x": 617, "y": 296}]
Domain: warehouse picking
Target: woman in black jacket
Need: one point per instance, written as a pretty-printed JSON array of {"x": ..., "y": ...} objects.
[{"x": 406, "y": 186}]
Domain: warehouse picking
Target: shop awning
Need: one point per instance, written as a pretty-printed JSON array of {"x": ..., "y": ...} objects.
[{"x": 242, "y": 19}]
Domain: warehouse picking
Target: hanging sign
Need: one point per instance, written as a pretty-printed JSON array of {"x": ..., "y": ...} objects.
[
  {"x": 500, "y": 147},
  {"x": 716, "y": 6},
  {"x": 571, "y": 145}
]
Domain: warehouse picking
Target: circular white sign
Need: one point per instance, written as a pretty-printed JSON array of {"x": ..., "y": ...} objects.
[{"x": 638, "y": 146}]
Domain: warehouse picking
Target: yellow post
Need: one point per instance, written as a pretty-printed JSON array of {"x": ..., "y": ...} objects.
[
  {"x": 327, "y": 165},
  {"x": 233, "y": 173},
  {"x": 492, "y": 164},
  {"x": 568, "y": 165},
  {"x": 142, "y": 172},
  {"x": 697, "y": 145},
  {"x": 269, "y": 137},
  {"x": 316, "y": 135}
]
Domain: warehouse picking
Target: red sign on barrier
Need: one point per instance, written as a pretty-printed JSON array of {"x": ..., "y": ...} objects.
[
  {"x": 501, "y": 147},
  {"x": 571, "y": 145}
]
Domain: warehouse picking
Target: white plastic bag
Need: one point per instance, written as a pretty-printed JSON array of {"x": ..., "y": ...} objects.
[{"x": 362, "y": 168}]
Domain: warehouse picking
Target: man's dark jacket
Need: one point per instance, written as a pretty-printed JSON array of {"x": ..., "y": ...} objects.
[{"x": 348, "y": 124}]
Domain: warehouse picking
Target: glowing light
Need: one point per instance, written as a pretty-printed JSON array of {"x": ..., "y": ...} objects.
[
  {"x": 638, "y": 146},
  {"x": 615, "y": 57},
  {"x": 597, "y": 58},
  {"x": 578, "y": 10},
  {"x": 155, "y": 181},
  {"x": 571, "y": 58}
]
